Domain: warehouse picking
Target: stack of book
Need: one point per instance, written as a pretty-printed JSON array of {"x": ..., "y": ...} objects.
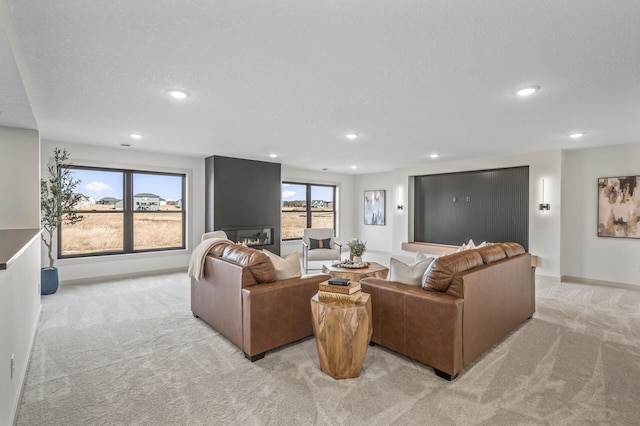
[{"x": 339, "y": 290}]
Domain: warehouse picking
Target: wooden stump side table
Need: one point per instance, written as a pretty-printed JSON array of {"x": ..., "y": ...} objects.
[{"x": 342, "y": 334}]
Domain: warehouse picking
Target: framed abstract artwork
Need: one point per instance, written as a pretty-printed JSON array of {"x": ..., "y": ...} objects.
[
  {"x": 619, "y": 207},
  {"x": 374, "y": 207}
]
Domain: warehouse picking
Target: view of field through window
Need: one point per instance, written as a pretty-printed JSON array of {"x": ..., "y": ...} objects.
[
  {"x": 155, "y": 204},
  {"x": 297, "y": 205}
]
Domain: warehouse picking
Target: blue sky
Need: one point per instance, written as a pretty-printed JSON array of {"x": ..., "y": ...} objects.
[
  {"x": 99, "y": 184},
  {"x": 292, "y": 192}
]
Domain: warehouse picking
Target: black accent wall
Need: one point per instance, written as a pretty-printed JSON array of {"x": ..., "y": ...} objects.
[
  {"x": 485, "y": 205},
  {"x": 242, "y": 194}
]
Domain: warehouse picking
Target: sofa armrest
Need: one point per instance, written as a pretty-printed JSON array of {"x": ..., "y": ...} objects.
[
  {"x": 497, "y": 299},
  {"x": 278, "y": 313},
  {"x": 217, "y": 297},
  {"x": 424, "y": 325}
]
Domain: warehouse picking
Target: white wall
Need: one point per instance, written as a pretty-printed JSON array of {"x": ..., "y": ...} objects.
[
  {"x": 544, "y": 228},
  {"x": 20, "y": 205},
  {"x": 91, "y": 268},
  {"x": 584, "y": 254},
  {"x": 344, "y": 200},
  {"x": 20, "y": 282}
]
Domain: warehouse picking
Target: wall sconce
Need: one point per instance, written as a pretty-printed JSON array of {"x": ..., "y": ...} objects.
[
  {"x": 400, "y": 207},
  {"x": 544, "y": 206}
]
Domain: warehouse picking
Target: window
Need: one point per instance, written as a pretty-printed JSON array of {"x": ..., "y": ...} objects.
[
  {"x": 125, "y": 211},
  {"x": 307, "y": 206}
]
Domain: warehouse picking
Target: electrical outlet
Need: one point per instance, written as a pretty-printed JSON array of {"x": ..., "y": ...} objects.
[
  {"x": 638, "y": 268},
  {"x": 13, "y": 365}
]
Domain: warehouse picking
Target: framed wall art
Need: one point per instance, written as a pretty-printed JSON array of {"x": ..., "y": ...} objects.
[
  {"x": 374, "y": 207},
  {"x": 619, "y": 207}
]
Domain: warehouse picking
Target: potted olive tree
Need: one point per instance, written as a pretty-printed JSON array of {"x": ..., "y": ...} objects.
[{"x": 58, "y": 201}]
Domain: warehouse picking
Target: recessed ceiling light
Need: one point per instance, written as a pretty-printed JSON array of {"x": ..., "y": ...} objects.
[
  {"x": 178, "y": 94},
  {"x": 354, "y": 167},
  {"x": 272, "y": 155},
  {"x": 136, "y": 136},
  {"x": 434, "y": 155},
  {"x": 526, "y": 91},
  {"x": 576, "y": 135},
  {"x": 351, "y": 136}
]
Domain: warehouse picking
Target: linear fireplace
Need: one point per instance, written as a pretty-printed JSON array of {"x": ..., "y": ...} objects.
[{"x": 254, "y": 236}]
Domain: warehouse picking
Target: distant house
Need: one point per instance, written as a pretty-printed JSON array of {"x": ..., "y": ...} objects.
[
  {"x": 108, "y": 200},
  {"x": 145, "y": 201},
  {"x": 321, "y": 204},
  {"x": 85, "y": 202}
]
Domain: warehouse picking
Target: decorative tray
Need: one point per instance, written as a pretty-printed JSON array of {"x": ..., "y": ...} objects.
[{"x": 349, "y": 265}]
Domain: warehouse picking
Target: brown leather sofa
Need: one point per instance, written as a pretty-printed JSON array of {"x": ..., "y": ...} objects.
[
  {"x": 469, "y": 301},
  {"x": 239, "y": 297}
]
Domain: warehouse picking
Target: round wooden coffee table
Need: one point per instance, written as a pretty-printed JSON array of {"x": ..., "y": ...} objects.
[{"x": 374, "y": 269}]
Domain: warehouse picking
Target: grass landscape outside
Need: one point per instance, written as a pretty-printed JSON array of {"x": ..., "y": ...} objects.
[
  {"x": 294, "y": 222},
  {"x": 103, "y": 232}
]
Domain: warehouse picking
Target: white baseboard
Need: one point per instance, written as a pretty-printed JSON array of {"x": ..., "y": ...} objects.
[
  {"x": 102, "y": 278},
  {"x": 589, "y": 281}
]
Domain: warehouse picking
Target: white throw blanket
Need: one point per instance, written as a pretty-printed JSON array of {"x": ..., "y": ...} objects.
[{"x": 196, "y": 264}]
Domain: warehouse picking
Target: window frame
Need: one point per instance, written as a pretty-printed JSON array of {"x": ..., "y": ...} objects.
[
  {"x": 308, "y": 210},
  {"x": 128, "y": 213}
]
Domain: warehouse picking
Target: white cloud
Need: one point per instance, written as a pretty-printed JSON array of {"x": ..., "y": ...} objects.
[
  {"x": 98, "y": 186},
  {"x": 288, "y": 194}
]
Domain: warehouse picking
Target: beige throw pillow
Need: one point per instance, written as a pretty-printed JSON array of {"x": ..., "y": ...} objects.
[
  {"x": 408, "y": 274},
  {"x": 288, "y": 267}
]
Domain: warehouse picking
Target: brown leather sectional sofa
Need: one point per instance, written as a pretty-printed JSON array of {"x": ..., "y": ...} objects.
[
  {"x": 469, "y": 301},
  {"x": 239, "y": 297}
]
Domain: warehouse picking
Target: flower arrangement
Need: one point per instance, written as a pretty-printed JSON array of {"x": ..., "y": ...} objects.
[{"x": 357, "y": 247}]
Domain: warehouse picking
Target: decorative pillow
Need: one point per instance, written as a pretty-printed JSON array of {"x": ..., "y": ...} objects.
[
  {"x": 470, "y": 245},
  {"x": 319, "y": 244},
  {"x": 288, "y": 267},
  {"x": 420, "y": 256},
  {"x": 408, "y": 274},
  {"x": 214, "y": 234}
]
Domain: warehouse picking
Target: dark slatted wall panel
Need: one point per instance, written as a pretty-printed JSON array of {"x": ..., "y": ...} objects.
[{"x": 484, "y": 205}]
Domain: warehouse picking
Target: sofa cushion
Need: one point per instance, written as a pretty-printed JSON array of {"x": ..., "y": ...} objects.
[
  {"x": 319, "y": 244},
  {"x": 258, "y": 263},
  {"x": 512, "y": 249},
  {"x": 408, "y": 274},
  {"x": 441, "y": 271},
  {"x": 288, "y": 267},
  {"x": 491, "y": 253}
]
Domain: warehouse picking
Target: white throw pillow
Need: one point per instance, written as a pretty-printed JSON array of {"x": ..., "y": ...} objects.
[
  {"x": 408, "y": 274},
  {"x": 288, "y": 267},
  {"x": 470, "y": 245},
  {"x": 420, "y": 256},
  {"x": 214, "y": 234}
]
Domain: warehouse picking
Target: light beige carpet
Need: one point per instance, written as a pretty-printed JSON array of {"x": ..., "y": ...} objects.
[{"x": 130, "y": 353}]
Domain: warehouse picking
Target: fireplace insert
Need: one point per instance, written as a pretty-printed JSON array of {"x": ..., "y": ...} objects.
[{"x": 252, "y": 237}]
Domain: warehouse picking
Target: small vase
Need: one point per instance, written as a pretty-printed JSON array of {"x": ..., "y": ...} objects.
[
  {"x": 357, "y": 259},
  {"x": 48, "y": 280}
]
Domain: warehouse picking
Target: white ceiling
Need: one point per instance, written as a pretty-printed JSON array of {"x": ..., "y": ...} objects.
[{"x": 292, "y": 77}]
